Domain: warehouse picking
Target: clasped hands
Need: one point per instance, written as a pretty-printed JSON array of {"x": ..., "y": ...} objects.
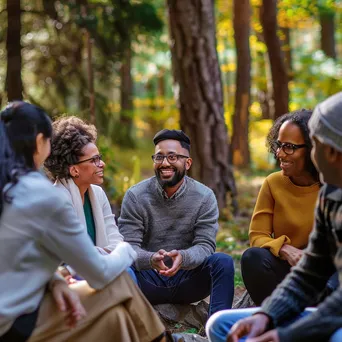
[{"x": 159, "y": 259}]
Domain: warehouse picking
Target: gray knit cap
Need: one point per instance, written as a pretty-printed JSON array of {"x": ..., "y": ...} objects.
[{"x": 326, "y": 122}]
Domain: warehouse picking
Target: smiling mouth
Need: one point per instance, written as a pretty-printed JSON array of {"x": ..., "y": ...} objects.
[
  {"x": 166, "y": 172},
  {"x": 99, "y": 173}
]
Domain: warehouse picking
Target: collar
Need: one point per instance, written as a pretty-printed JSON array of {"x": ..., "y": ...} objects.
[
  {"x": 180, "y": 191},
  {"x": 333, "y": 193}
]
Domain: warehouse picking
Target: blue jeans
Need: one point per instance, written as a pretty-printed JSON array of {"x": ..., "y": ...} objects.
[
  {"x": 214, "y": 277},
  {"x": 219, "y": 325}
]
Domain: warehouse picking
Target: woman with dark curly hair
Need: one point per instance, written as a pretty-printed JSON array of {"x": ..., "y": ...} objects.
[
  {"x": 76, "y": 166},
  {"x": 39, "y": 229},
  {"x": 284, "y": 212}
]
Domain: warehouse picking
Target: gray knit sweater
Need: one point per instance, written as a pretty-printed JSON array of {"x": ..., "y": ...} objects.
[
  {"x": 187, "y": 221},
  {"x": 303, "y": 285}
]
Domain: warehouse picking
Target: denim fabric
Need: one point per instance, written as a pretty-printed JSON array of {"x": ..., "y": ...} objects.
[
  {"x": 218, "y": 325},
  {"x": 214, "y": 277}
]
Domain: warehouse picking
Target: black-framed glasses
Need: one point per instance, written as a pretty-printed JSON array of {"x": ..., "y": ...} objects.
[
  {"x": 95, "y": 159},
  {"x": 171, "y": 158},
  {"x": 286, "y": 147}
]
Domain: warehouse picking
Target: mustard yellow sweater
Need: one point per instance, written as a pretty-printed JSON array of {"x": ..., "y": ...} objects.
[{"x": 284, "y": 213}]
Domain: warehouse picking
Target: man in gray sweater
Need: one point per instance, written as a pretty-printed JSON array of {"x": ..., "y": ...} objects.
[{"x": 171, "y": 221}]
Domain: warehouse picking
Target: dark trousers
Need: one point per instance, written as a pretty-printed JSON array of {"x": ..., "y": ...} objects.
[
  {"x": 22, "y": 328},
  {"x": 214, "y": 277},
  {"x": 262, "y": 272}
]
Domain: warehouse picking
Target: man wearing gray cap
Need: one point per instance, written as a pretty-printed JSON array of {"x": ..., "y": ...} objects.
[
  {"x": 171, "y": 221},
  {"x": 283, "y": 317}
]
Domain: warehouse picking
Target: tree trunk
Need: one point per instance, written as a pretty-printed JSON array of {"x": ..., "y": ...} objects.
[
  {"x": 14, "y": 84},
  {"x": 286, "y": 47},
  {"x": 268, "y": 18},
  {"x": 241, "y": 22},
  {"x": 327, "y": 20},
  {"x": 196, "y": 67},
  {"x": 126, "y": 99}
]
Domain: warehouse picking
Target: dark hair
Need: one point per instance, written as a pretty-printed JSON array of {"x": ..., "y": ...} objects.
[
  {"x": 20, "y": 123},
  {"x": 301, "y": 119},
  {"x": 70, "y": 136}
]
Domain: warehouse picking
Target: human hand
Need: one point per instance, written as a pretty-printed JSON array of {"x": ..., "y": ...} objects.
[
  {"x": 291, "y": 254},
  {"x": 67, "y": 301},
  {"x": 270, "y": 336},
  {"x": 157, "y": 260},
  {"x": 252, "y": 326},
  {"x": 177, "y": 260}
]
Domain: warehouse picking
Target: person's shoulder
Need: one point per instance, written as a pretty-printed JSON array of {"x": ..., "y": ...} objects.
[
  {"x": 34, "y": 190},
  {"x": 275, "y": 177},
  {"x": 142, "y": 187},
  {"x": 98, "y": 191},
  {"x": 198, "y": 187}
]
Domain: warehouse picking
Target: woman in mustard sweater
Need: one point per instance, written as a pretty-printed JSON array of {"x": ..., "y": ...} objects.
[{"x": 284, "y": 213}]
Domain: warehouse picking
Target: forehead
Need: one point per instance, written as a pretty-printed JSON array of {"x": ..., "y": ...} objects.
[
  {"x": 168, "y": 146},
  {"x": 290, "y": 132},
  {"x": 90, "y": 150}
]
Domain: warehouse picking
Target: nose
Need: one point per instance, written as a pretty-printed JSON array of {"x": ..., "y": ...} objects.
[
  {"x": 102, "y": 164},
  {"x": 280, "y": 153},
  {"x": 165, "y": 161}
]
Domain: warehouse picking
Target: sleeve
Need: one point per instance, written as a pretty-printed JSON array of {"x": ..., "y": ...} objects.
[
  {"x": 205, "y": 230},
  {"x": 131, "y": 226},
  {"x": 68, "y": 241},
  {"x": 261, "y": 227},
  {"x": 301, "y": 289},
  {"x": 112, "y": 230}
]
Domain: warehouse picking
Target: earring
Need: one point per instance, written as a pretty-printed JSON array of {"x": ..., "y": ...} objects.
[{"x": 77, "y": 175}]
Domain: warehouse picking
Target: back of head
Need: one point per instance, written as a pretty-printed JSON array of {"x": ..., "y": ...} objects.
[
  {"x": 20, "y": 123},
  {"x": 173, "y": 134},
  {"x": 326, "y": 122}
]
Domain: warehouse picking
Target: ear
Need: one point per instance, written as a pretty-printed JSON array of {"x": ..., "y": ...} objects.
[
  {"x": 39, "y": 142},
  {"x": 332, "y": 154},
  {"x": 188, "y": 164},
  {"x": 73, "y": 171}
]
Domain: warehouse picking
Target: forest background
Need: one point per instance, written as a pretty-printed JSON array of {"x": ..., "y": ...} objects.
[{"x": 221, "y": 70}]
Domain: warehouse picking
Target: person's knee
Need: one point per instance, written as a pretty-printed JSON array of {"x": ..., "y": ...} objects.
[
  {"x": 336, "y": 336},
  {"x": 217, "y": 327},
  {"x": 222, "y": 260},
  {"x": 253, "y": 258}
]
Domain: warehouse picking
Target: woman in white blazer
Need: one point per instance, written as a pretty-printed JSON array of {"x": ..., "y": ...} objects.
[{"x": 76, "y": 167}]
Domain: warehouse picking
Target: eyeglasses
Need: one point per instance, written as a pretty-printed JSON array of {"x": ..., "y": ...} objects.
[
  {"x": 286, "y": 147},
  {"x": 95, "y": 159},
  {"x": 171, "y": 158}
]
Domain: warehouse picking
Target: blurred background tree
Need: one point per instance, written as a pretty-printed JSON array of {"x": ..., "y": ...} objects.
[{"x": 221, "y": 70}]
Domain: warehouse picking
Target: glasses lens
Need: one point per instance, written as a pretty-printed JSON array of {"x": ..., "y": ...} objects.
[
  {"x": 158, "y": 158},
  {"x": 288, "y": 149},
  {"x": 172, "y": 158}
]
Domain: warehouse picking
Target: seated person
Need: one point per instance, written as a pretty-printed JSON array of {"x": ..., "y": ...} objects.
[
  {"x": 282, "y": 317},
  {"x": 39, "y": 229},
  {"x": 171, "y": 221},
  {"x": 284, "y": 213},
  {"x": 76, "y": 166}
]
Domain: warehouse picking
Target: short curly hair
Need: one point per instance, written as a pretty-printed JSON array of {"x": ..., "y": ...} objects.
[
  {"x": 70, "y": 135},
  {"x": 300, "y": 118}
]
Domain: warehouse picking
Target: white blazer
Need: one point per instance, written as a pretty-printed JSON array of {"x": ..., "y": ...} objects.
[{"x": 107, "y": 232}]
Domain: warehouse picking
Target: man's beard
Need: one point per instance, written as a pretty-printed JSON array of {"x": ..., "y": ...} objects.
[{"x": 177, "y": 177}]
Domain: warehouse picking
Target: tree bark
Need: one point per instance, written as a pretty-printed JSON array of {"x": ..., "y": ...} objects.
[
  {"x": 126, "y": 99},
  {"x": 197, "y": 72},
  {"x": 241, "y": 23},
  {"x": 268, "y": 19},
  {"x": 14, "y": 84},
  {"x": 286, "y": 47},
  {"x": 327, "y": 21}
]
